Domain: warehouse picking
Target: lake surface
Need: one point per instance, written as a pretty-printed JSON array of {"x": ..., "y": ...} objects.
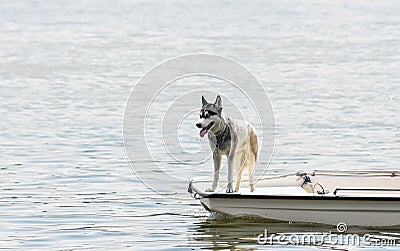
[{"x": 331, "y": 70}]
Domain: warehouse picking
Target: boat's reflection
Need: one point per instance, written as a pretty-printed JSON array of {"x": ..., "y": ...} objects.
[{"x": 220, "y": 232}]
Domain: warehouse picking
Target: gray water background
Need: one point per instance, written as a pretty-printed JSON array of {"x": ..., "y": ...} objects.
[{"x": 331, "y": 69}]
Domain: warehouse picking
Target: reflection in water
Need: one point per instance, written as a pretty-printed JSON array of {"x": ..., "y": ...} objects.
[{"x": 221, "y": 232}]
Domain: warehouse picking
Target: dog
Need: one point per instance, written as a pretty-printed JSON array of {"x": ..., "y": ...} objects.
[{"x": 236, "y": 139}]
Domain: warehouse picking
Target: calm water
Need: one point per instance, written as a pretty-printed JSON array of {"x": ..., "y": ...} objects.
[{"x": 331, "y": 69}]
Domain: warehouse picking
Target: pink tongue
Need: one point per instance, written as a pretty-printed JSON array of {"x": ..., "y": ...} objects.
[{"x": 203, "y": 132}]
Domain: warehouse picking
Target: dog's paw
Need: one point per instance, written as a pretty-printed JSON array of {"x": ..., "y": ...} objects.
[
  {"x": 229, "y": 190},
  {"x": 210, "y": 189}
]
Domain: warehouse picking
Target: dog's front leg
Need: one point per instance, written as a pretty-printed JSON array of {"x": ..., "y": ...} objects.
[
  {"x": 217, "y": 165},
  {"x": 231, "y": 162}
]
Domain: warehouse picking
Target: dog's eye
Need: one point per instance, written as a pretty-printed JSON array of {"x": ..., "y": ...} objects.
[{"x": 211, "y": 113}]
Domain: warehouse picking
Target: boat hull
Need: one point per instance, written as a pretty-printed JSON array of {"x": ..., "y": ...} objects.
[
  {"x": 328, "y": 211},
  {"x": 354, "y": 199}
]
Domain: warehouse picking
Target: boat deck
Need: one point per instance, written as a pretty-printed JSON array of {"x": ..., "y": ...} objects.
[{"x": 378, "y": 184}]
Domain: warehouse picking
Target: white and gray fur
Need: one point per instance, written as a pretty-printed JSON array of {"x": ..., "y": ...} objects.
[{"x": 236, "y": 139}]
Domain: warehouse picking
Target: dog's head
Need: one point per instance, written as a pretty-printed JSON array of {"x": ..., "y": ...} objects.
[{"x": 210, "y": 116}]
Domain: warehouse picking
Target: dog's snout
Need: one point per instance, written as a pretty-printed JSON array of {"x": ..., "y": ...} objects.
[{"x": 198, "y": 125}]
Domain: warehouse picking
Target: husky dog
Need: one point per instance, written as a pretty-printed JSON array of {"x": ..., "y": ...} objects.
[{"x": 236, "y": 139}]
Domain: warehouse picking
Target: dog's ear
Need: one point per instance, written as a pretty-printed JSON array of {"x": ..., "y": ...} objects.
[
  {"x": 203, "y": 100},
  {"x": 218, "y": 103}
]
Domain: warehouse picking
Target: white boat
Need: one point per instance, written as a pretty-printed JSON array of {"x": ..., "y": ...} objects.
[{"x": 330, "y": 197}]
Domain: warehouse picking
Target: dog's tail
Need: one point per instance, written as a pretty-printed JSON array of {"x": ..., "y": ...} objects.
[{"x": 253, "y": 142}]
